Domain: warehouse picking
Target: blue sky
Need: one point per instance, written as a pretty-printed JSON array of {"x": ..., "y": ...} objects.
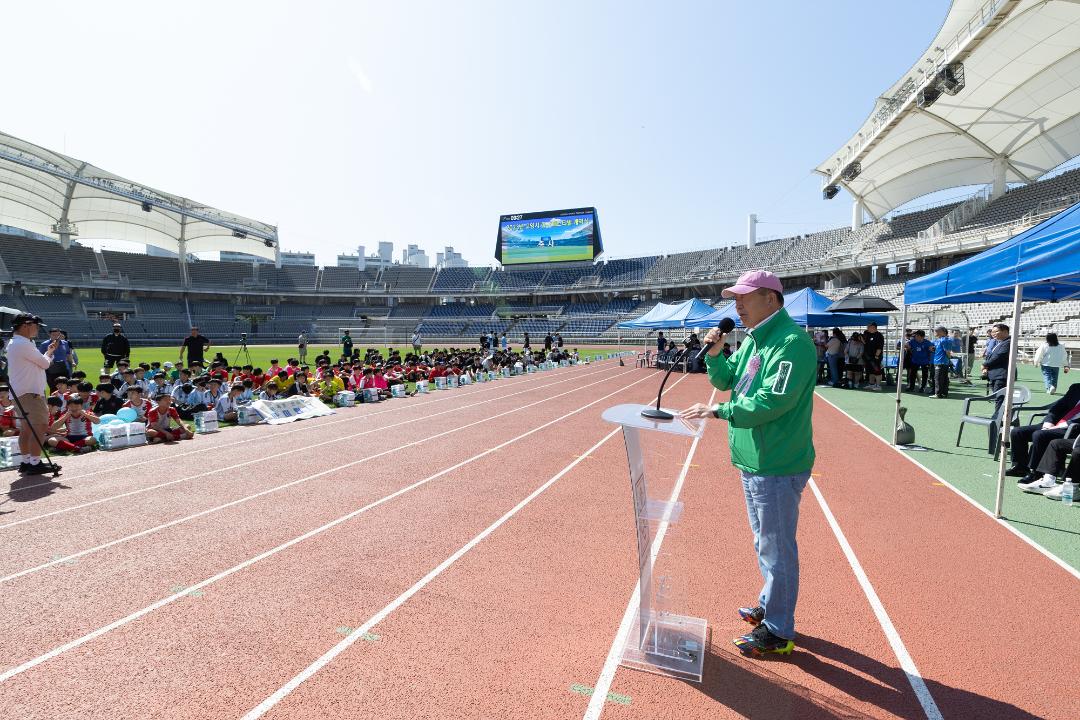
[{"x": 422, "y": 122}]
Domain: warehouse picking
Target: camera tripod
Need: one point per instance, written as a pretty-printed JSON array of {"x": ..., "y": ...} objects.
[{"x": 243, "y": 350}]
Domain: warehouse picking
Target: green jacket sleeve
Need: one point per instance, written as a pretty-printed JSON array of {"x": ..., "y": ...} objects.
[
  {"x": 783, "y": 383},
  {"x": 721, "y": 371}
]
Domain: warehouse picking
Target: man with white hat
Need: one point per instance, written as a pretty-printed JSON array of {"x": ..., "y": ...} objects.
[{"x": 771, "y": 378}]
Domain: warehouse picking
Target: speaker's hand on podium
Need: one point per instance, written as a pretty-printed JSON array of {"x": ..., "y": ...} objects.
[{"x": 695, "y": 411}]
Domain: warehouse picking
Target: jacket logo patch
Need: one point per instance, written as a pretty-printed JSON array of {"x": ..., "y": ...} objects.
[{"x": 783, "y": 374}]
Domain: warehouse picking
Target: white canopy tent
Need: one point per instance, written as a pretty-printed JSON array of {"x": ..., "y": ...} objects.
[
  {"x": 1013, "y": 118},
  {"x": 55, "y": 195}
]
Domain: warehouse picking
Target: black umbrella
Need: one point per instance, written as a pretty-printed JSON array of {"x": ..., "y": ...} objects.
[{"x": 861, "y": 304}]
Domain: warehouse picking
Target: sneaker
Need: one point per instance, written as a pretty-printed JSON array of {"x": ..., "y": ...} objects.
[
  {"x": 1017, "y": 471},
  {"x": 1052, "y": 389},
  {"x": 42, "y": 469},
  {"x": 1054, "y": 493},
  {"x": 24, "y": 467},
  {"x": 1039, "y": 485},
  {"x": 752, "y": 615},
  {"x": 761, "y": 641}
]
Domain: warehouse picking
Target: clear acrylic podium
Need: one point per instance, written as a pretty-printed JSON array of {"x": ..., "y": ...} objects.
[{"x": 660, "y": 641}]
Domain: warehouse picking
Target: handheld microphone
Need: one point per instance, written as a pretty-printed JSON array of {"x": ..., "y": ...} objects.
[{"x": 726, "y": 326}]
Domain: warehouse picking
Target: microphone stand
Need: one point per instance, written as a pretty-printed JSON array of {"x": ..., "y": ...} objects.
[{"x": 655, "y": 412}]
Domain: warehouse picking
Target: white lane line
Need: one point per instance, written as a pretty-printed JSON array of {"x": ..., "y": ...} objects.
[
  {"x": 614, "y": 656},
  {"x": 265, "y": 706},
  {"x": 266, "y": 458},
  {"x": 18, "y": 670},
  {"x": 972, "y": 501},
  {"x": 232, "y": 503},
  {"x": 906, "y": 663},
  {"x": 314, "y": 424}
]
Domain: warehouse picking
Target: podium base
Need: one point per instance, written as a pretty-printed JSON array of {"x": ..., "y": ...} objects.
[{"x": 672, "y": 645}]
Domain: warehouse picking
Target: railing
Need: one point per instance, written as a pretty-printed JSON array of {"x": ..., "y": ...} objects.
[
  {"x": 959, "y": 216},
  {"x": 1051, "y": 207},
  {"x": 905, "y": 95}
]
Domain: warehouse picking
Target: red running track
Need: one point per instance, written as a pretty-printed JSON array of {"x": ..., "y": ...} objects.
[{"x": 523, "y": 620}]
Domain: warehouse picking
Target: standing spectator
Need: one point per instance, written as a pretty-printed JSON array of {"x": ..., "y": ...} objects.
[
  {"x": 921, "y": 356},
  {"x": 834, "y": 357},
  {"x": 346, "y": 344},
  {"x": 1051, "y": 357},
  {"x": 417, "y": 341},
  {"x": 853, "y": 359},
  {"x": 61, "y": 365},
  {"x": 301, "y": 345},
  {"x": 505, "y": 342},
  {"x": 873, "y": 355},
  {"x": 26, "y": 376},
  {"x": 115, "y": 347},
  {"x": 943, "y": 349},
  {"x": 525, "y": 345},
  {"x": 196, "y": 346},
  {"x": 996, "y": 363},
  {"x": 558, "y": 340},
  {"x": 548, "y": 340},
  {"x": 661, "y": 342}
]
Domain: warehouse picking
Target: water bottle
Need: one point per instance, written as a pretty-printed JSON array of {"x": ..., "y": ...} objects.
[{"x": 1068, "y": 490}]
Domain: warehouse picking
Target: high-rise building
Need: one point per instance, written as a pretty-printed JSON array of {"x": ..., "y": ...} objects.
[
  {"x": 449, "y": 259},
  {"x": 413, "y": 255}
]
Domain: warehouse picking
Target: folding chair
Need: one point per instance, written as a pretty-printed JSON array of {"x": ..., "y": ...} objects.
[{"x": 1021, "y": 395}]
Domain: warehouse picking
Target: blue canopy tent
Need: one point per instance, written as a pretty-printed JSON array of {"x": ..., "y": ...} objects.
[
  {"x": 807, "y": 308},
  {"x": 687, "y": 314},
  {"x": 1041, "y": 263}
]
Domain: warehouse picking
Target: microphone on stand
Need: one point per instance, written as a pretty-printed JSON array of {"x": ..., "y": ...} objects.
[{"x": 726, "y": 326}]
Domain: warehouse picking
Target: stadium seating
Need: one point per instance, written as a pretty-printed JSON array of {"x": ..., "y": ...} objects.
[
  {"x": 460, "y": 279},
  {"x": 28, "y": 259},
  {"x": 142, "y": 269}
]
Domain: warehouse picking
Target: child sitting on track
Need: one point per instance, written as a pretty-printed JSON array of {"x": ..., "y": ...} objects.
[
  {"x": 108, "y": 402},
  {"x": 79, "y": 426},
  {"x": 163, "y": 423},
  {"x": 8, "y": 424},
  {"x": 135, "y": 402}
]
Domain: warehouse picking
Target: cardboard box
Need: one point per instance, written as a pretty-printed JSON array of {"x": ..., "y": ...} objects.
[{"x": 206, "y": 422}]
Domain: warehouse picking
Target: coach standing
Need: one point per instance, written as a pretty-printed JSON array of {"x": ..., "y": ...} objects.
[
  {"x": 63, "y": 358},
  {"x": 115, "y": 346},
  {"x": 195, "y": 345},
  {"x": 771, "y": 378},
  {"x": 26, "y": 376}
]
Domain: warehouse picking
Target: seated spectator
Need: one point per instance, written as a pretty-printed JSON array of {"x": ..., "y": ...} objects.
[
  {"x": 213, "y": 392},
  {"x": 8, "y": 421},
  {"x": 158, "y": 384},
  {"x": 1059, "y": 452},
  {"x": 63, "y": 387},
  {"x": 1030, "y": 442},
  {"x": 269, "y": 391},
  {"x": 86, "y": 391},
  {"x": 118, "y": 376},
  {"x": 79, "y": 424},
  {"x": 55, "y": 429},
  {"x": 136, "y": 402},
  {"x": 249, "y": 392},
  {"x": 163, "y": 423},
  {"x": 172, "y": 372},
  {"x": 226, "y": 405},
  {"x": 188, "y": 400},
  {"x": 258, "y": 377},
  {"x": 140, "y": 376},
  {"x": 127, "y": 379},
  {"x": 108, "y": 401}
]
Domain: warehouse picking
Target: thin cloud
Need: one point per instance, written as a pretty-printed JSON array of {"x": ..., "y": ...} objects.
[{"x": 360, "y": 75}]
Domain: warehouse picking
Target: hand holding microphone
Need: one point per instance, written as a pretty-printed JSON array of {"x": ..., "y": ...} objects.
[{"x": 714, "y": 337}]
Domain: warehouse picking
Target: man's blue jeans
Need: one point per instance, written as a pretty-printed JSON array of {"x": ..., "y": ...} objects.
[{"x": 772, "y": 503}]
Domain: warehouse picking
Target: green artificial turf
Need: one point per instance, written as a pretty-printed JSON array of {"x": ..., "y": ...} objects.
[{"x": 970, "y": 467}]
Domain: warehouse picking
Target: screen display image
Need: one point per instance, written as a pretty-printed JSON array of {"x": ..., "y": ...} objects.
[{"x": 553, "y": 236}]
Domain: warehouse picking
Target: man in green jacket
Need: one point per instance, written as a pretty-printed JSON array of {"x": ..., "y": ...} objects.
[{"x": 771, "y": 379}]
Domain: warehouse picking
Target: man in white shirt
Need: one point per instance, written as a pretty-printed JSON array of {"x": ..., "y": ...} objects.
[{"x": 26, "y": 376}]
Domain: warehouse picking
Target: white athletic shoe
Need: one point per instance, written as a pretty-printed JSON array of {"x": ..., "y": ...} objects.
[
  {"x": 1053, "y": 389},
  {"x": 1054, "y": 493},
  {"x": 1038, "y": 487}
]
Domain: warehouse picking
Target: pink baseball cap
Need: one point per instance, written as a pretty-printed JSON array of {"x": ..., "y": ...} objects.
[{"x": 753, "y": 280}]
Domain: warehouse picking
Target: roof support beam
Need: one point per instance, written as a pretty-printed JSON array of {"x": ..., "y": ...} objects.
[
  {"x": 859, "y": 199},
  {"x": 976, "y": 141}
]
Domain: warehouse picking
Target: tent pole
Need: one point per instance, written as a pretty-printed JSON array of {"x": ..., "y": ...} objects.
[
  {"x": 899, "y": 372},
  {"x": 1006, "y": 413}
]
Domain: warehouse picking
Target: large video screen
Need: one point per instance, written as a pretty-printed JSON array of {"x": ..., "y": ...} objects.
[{"x": 548, "y": 237}]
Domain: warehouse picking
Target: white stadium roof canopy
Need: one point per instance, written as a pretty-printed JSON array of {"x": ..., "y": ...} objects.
[
  {"x": 53, "y": 194},
  {"x": 1016, "y": 117}
]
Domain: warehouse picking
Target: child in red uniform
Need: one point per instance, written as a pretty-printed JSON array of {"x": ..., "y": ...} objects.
[
  {"x": 79, "y": 426},
  {"x": 135, "y": 401},
  {"x": 163, "y": 423}
]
